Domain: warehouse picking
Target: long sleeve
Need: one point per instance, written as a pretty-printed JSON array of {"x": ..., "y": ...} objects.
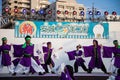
[
  {"x": 71, "y": 55},
  {"x": 45, "y": 49},
  {"x": 87, "y": 51},
  {"x": 107, "y": 52},
  {"x": 9, "y": 47},
  {"x": 18, "y": 52}
]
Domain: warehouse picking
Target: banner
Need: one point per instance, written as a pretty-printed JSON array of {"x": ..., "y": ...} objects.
[{"x": 70, "y": 30}]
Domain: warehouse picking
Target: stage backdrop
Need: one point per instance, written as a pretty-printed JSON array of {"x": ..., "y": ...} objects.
[
  {"x": 78, "y": 30},
  {"x": 67, "y": 44}
]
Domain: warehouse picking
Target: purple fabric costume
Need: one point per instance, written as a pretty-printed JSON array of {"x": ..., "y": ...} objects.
[
  {"x": 25, "y": 53},
  {"x": 108, "y": 53},
  {"x": 0, "y": 49},
  {"x": 117, "y": 77},
  {"x": 16, "y": 61},
  {"x": 6, "y": 59},
  {"x": 19, "y": 52},
  {"x": 116, "y": 52},
  {"x": 37, "y": 61},
  {"x": 48, "y": 52},
  {"x": 65, "y": 76},
  {"x": 95, "y": 54},
  {"x": 47, "y": 58},
  {"x": 28, "y": 53},
  {"x": 72, "y": 55}
]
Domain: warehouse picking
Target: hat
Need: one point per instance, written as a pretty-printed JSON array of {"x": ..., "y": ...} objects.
[
  {"x": 27, "y": 37},
  {"x": 115, "y": 41},
  {"x": 4, "y": 38}
]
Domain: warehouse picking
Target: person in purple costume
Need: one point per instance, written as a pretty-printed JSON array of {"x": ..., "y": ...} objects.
[
  {"x": 5, "y": 56},
  {"x": 94, "y": 51},
  {"x": 115, "y": 62},
  {"x": 27, "y": 60},
  {"x": 17, "y": 54},
  {"x": 67, "y": 74},
  {"x": 116, "y": 52},
  {"x": 79, "y": 61},
  {"x": 47, "y": 57}
]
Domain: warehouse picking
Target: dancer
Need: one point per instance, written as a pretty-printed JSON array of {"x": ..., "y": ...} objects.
[
  {"x": 116, "y": 52},
  {"x": 48, "y": 53},
  {"x": 79, "y": 61},
  {"x": 27, "y": 59},
  {"x": 67, "y": 74},
  {"x": 116, "y": 58},
  {"x": 94, "y": 51},
  {"x": 5, "y": 56}
]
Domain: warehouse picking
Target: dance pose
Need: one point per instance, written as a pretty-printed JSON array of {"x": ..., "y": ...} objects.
[
  {"x": 115, "y": 62},
  {"x": 5, "y": 56},
  {"x": 48, "y": 53},
  {"x": 94, "y": 51},
  {"x": 116, "y": 52},
  {"x": 79, "y": 61},
  {"x": 27, "y": 60}
]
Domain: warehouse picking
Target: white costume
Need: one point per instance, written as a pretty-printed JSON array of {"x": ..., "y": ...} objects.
[{"x": 35, "y": 66}]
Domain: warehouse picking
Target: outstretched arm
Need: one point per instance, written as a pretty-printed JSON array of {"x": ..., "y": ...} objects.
[
  {"x": 55, "y": 50},
  {"x": 71, "y": 55},
  {"x": 87, "y": 51},
  {"x": 107, "y": 52}
]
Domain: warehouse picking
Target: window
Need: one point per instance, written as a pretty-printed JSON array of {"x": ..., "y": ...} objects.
[
  {"x": 70, "y": 7},
  {"x": 61, "y": 6},
  {"x": 9, "y": 8},
  {"x": 15, "y": 1},
  {"x": 15, "y": 6},
  {"x": 9, "y": 3},
  {"x": 80, "y": 8}
]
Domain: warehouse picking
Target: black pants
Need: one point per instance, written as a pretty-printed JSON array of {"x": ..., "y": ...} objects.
[
  {"x": 82, "y": 65},
  {"x": 46, "y": 68},
  {"x": 48, "y": 62},
  {"x": 102, "y": 68}
]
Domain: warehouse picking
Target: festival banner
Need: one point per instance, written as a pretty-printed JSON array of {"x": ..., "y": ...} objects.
[{"x": 68, "y": 30}]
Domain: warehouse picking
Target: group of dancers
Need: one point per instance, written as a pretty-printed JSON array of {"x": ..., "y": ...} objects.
[{"x": 26, "y": 62}]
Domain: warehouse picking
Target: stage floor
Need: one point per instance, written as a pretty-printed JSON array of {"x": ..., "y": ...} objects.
[{"x": 78, "y": 76}]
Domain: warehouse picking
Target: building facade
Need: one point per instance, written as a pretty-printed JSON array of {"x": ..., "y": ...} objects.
[
  {"x": 111, "y": 17},
  {"x": 66, "y": 11},
  {"x": 60, "y": 10},
  {"x": 16, "y": 6},
  {"x": 39, "y": 6}
]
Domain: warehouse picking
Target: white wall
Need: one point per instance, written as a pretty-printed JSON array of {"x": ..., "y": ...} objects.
[{"x": 67, "y": 44}]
